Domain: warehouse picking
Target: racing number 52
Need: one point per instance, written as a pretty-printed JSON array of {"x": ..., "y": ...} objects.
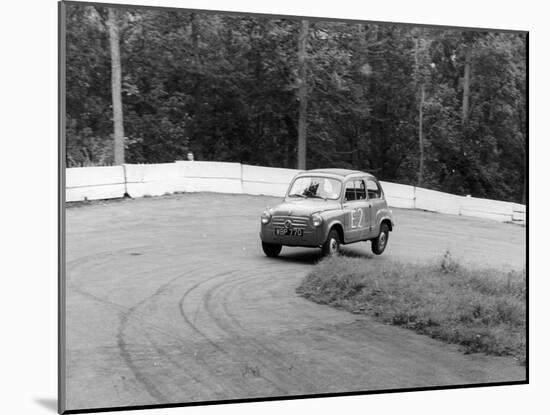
[{"x": 356, "y": 217}]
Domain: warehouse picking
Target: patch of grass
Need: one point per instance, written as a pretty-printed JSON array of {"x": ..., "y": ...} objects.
[{"x": 482, "y": 310}]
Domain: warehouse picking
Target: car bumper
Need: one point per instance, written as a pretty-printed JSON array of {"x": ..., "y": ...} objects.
[{"x": 312, "y": 237}]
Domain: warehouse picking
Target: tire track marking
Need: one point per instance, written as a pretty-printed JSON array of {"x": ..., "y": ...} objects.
[
  {"x": 231, "y": 325},
  {"x": 204, "y": 335},
  {"x": 127, "y": 313},
  {"x": 123, "y": 346}
]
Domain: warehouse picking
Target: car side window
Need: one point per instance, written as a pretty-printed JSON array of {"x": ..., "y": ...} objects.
[
  {"x": 350, "y": 191},
  {"x": 355, "y": 190},
  {"x": 373, "y": 189},
  {"x": 360, "y": 191}
]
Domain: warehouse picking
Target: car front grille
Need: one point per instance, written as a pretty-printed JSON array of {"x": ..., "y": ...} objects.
[{"x": 295, "y": 221}]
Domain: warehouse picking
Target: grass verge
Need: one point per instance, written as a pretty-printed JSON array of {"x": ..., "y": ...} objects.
[{"x": 481, "y": 310}]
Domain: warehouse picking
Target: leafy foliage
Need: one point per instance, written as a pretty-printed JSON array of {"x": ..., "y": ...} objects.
[{"x": 224, "y": 87}]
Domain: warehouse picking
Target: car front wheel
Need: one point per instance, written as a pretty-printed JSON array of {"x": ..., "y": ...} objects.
[
  {"x": 271, "y": 250},
  {"x": 380, "y": 243},
  {"x": 332, "y": 244}
]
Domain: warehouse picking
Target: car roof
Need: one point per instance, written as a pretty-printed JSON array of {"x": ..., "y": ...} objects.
[{"x": 338, "y": 172}]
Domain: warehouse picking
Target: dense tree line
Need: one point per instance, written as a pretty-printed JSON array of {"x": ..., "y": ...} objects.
[{"x": 445, "y": 109}]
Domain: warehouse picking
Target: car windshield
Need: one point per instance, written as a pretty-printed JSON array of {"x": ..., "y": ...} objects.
[{"x": 315, "y": 187}]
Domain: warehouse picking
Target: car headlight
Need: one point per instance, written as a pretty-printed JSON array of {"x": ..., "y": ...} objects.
[
  {"x": 316, "y": 219},
  {"x": 266, "y": 217}
]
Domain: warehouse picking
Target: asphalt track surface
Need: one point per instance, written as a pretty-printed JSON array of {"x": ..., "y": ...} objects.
[{"x": 171, "y": 300}]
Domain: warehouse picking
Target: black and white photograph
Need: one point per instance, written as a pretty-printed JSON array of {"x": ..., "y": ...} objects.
[{"x": 261, "y": 207}]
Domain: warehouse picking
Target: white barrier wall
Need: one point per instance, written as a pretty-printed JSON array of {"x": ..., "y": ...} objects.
[
  {"x": 209, "y": 176},
  {"x": 486, "y": 208},
  {"x": 435, "y": 201},
  {"x": 91, "y": 183},
  {"x": 151, "y": 179},
  {"x": 399, "y": 195},
  {"x": 268, "y": 181},
  {"x": 519, "y": 213},
  {"x": 94, "y": 183}
]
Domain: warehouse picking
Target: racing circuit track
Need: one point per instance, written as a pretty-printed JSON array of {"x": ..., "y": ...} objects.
[{"x": 171, "y": 299}]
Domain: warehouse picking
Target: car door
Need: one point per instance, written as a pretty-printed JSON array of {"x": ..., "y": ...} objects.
[
  {"x": 377, "y": 202},
  {"x": 356, "y": 210}
]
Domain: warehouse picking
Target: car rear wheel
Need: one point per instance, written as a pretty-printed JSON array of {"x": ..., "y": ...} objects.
[
  {"x": 332, "y": 244},
  {"x": 379, "y": 244},
  {"x": 271, "y": 250}
]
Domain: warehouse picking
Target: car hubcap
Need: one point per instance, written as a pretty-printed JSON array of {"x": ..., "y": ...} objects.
[
  {"x": 382, "y": 239},
  {"x": 333, "y": 246}
]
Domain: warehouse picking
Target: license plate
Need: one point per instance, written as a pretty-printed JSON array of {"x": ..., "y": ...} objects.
[{"x": 289, "y": 232}]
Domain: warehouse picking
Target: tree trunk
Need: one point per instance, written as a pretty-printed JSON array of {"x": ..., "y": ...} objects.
[
  {"x": 195, "y": 35},
  {"x": 302, "y": 95},
  {"x": 421, "y": 136},
  {"x": 116, "y": 86},
  {"x": 421, "y": 87},
  {"x": 290, "y": 123},
  {"x": 466, "y": 86},
  {"x": 194, "y": 143}
]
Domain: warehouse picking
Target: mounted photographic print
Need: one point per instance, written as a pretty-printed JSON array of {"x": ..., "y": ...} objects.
[{"x": 259, "y": 207}]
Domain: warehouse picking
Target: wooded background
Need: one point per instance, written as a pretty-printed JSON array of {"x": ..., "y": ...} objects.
[{"x": 439, "y": 108}]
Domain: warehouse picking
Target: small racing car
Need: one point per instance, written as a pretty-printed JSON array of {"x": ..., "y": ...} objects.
[{"x": 327, "y": 208}]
